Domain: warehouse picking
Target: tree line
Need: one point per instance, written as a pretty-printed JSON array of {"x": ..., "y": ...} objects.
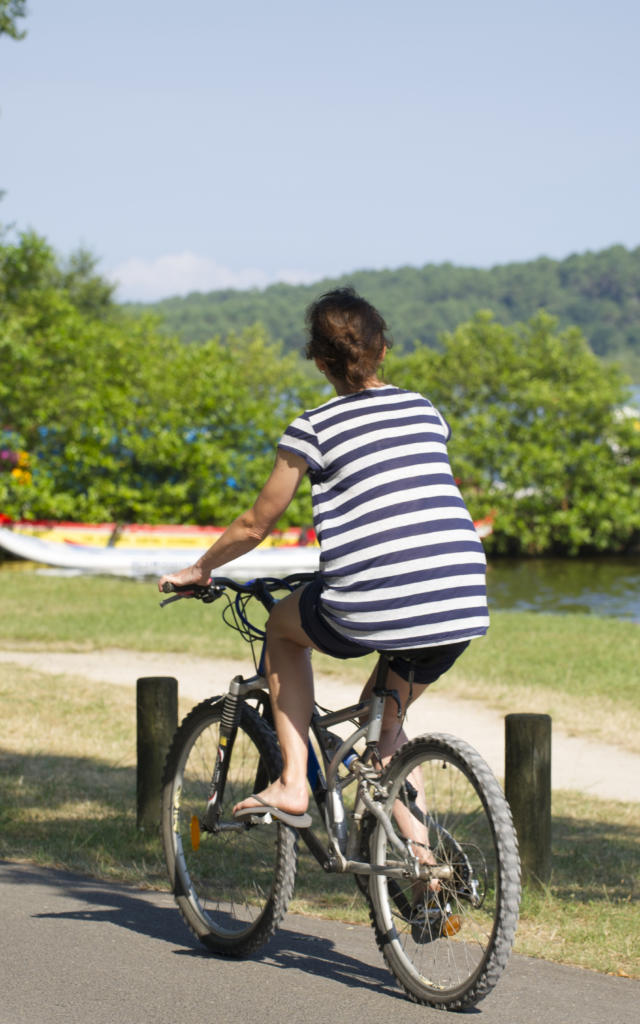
[
  {"x": 104, "y": 416},
  {"x": 598, "y": 292}
]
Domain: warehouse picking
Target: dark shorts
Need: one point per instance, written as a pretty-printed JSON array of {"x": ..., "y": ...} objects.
[{"x": 434, "y": 661}]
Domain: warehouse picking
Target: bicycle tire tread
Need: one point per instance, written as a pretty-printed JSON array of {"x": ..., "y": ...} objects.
[
  {"x": 286, "y": 862},
  {"x": 503, "y": 936}
]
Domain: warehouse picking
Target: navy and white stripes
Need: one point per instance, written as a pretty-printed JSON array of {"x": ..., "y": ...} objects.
[{"x": 402, "y": 562}]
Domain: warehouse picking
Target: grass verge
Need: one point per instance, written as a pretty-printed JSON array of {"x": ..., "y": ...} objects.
[
  {"x": 67, "y": 800},
  {"x": 580, "y": 669}
]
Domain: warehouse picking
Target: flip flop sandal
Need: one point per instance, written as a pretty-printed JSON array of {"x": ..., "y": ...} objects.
[{"x": 265, "y": 813}]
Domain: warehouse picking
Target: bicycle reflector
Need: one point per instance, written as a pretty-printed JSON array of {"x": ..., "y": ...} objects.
[{"x": 195, "y": 833}]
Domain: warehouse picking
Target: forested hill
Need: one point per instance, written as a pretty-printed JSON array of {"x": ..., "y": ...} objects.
[{"x": 600, "y": 292}]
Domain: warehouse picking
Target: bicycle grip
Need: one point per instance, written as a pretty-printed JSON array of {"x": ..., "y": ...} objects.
[{"x": 168, "y": 588}]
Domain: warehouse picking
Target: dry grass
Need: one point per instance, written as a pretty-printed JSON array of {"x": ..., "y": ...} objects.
[{"x": 595, "y": 718}]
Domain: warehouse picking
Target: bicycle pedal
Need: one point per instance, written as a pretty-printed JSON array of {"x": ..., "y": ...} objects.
[
  {"x": 264, "y": 819},
  {"x": 259, "y": 819}
]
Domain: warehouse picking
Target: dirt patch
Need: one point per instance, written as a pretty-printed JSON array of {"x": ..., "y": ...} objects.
[{"x": 579, "y": 764}]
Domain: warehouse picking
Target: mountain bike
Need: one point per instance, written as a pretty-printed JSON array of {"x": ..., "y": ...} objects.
[{"x": 429, "y": 838}]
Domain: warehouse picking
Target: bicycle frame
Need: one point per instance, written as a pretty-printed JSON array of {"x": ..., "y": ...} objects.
[{"x": 341, "y": 855}]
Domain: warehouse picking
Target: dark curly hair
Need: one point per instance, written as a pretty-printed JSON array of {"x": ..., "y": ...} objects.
[{"x": 348, "y": 334}]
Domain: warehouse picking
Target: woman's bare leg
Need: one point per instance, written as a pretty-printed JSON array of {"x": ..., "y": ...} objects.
[
  {"x": 290, "y": 678},
  {"x": 392, "y": 737},
  {"x": 392, "y": 734}
]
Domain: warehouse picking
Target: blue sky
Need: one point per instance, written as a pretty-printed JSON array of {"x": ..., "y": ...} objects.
[{"x": 213, "y": 145}]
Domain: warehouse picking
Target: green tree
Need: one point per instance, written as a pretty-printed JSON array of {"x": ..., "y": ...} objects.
[
  {"x": 204, "y": 442},
  {"x": 11, "y": 11},
  {"x": 69, "y": 386},
  {"x": 539, "y": 438},
  {"x": 122, "y": 422},
  {"x": 29, "y": 269}
]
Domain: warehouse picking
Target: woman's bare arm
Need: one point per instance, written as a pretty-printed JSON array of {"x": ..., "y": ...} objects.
[{"x": 252, "y": 526}]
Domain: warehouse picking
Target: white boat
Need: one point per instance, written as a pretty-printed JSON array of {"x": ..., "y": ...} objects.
[
  {"x": 135, "y": 561},
  {"x": 140, "y": 562},
  {"x": 142, "y": 535}
]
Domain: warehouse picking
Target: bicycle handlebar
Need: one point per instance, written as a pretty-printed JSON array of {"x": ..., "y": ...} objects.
[{"x": 262, "y": 588}]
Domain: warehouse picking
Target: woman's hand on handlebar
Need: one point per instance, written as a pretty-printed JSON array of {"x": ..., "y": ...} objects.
[{"x": 193, "y": 574}]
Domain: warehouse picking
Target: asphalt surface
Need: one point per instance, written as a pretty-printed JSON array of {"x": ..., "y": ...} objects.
[{"x": 77, "y": 951}]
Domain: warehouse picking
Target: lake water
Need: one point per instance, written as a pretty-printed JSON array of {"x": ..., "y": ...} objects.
[
  {"x": 596, "y": 586},
  {"x": 599, "y": 586}
]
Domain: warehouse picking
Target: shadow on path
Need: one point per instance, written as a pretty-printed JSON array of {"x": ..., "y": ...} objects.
[{"x": 138, "y": 912}]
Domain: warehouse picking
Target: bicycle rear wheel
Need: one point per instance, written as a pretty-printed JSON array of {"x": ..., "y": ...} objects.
[
  {"x": 447, "y": 947},
  {"x": 232, "y": 886}
]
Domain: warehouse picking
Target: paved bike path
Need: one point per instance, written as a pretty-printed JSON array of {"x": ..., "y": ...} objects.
[{"x": 74, "y": 950}]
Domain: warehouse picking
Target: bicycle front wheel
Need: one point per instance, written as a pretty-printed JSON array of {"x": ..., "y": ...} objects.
[
  {"x": 446, "y": 941},
  {"x": 232, "y": 886}
]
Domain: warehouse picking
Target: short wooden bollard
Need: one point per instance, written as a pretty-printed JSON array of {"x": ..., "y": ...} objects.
[
  {"x": 528, "y": 791},
  {"x": 157, "y": 719}
]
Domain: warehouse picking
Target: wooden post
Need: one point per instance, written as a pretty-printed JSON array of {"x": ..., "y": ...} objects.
[
  {"x": 528, "y": 791},
  {"x": 157, "y": 719}
]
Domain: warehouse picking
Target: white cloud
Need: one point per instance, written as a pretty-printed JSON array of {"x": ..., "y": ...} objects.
[{"x": 179, "y": 273}]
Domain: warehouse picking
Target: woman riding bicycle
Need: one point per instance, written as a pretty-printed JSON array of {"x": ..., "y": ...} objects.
[{"x": 401, "y": 564}]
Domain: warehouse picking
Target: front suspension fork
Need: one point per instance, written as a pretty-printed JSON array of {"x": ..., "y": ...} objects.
[
  {"x": 228, "y": 728},
  {"x": 239, "y": 690}
]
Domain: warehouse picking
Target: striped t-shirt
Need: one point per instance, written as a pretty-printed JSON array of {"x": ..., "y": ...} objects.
[{"x": 401, "y": 561}]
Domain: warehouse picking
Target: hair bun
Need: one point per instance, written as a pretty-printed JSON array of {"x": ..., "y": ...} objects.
[{"x": 348, "y": 334}]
